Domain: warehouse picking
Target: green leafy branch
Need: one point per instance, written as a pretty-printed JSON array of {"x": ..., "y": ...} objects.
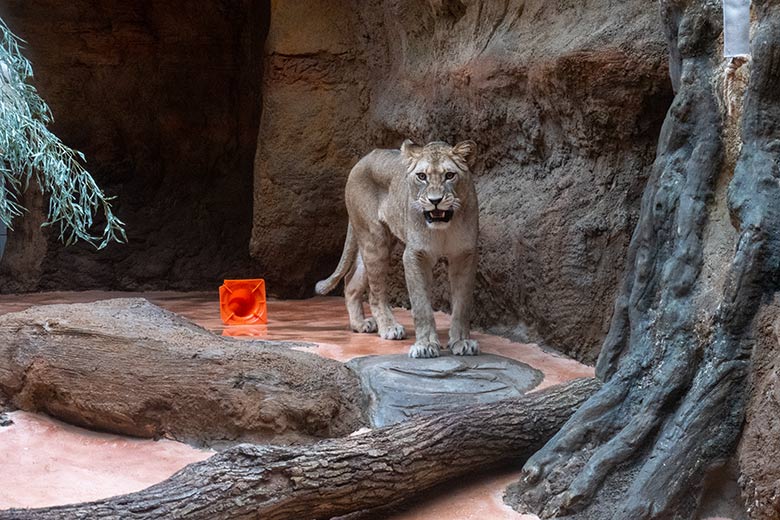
[{"x": 28, "y": 150}]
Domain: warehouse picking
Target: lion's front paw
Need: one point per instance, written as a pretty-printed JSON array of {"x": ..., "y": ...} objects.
[
  {"x": 465, "y": 347},
  {"x": 395, "y": 331},
  {"x": 425, "y": 349},
  {"x": 366, "y": 326}
]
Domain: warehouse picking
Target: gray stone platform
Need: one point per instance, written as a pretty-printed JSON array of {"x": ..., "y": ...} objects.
[{"x": 398, "y": 386}]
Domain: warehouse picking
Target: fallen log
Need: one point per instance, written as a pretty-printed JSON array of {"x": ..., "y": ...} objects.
[
  {"x": 129, "y": 367},
  {"x": 339, "y": 476}
]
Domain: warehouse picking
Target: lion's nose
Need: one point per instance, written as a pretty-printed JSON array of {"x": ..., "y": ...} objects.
[{"x": 434, "y": 201}]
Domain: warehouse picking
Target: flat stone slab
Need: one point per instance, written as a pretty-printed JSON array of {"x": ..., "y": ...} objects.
[{"x": 399, "y": 387}]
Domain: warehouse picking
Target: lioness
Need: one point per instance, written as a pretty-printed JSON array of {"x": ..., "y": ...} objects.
[{"x": 425, "y": 197}]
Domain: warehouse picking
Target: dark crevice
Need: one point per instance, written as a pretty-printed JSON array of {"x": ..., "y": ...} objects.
[{"x": 166, "y": 106}]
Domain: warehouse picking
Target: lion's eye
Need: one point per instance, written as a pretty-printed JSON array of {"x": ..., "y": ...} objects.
[
  {"x": 422, "y": 176},
  {"x": 449, "y": 176}
]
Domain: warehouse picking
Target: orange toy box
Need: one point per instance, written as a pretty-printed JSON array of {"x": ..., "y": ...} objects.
[{"x": 242, "y": 302}]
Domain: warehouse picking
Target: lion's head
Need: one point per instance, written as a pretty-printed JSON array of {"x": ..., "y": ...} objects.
[{"x": 436, "y": 173}]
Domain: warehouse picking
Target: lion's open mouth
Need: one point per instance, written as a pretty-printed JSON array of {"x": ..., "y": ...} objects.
[{"x": 438, "y": 215}]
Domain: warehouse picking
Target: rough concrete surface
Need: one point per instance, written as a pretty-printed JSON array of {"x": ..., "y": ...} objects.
[
  {"x": 565, "y": 101},
  {"x": 46, "y": 462}
]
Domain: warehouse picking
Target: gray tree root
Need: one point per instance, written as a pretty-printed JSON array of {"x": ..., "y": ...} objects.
[
  {"x": 676, "y": 358},
  {"x": 339, "y": 476},
  {"x": 129, "y": 367}
]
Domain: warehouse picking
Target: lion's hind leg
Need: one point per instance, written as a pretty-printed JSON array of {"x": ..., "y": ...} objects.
[{"x": 355, "y": 288}]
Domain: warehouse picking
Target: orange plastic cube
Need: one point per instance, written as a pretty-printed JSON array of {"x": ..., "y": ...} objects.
[{"x": 242, "y": 302}]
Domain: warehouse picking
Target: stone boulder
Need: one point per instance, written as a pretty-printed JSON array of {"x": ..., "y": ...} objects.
[{"x": 399, "y": 387}]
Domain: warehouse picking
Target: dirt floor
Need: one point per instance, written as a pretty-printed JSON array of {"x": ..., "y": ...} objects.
[{"x": 46, "y": 462}]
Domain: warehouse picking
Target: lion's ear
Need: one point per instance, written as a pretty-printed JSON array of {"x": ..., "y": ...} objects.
[
  {"x": 467, "y": 150},
  {"x": 411, "y": 150}
]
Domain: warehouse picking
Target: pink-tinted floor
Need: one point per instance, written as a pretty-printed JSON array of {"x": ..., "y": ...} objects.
[{"x": 45, "y": 462}]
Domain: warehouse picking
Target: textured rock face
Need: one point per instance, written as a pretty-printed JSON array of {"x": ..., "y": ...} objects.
[
  {"x": 163, "y": 98},
  {"x": 759, "y": 449},
  {"x": 564, "y": 100}
]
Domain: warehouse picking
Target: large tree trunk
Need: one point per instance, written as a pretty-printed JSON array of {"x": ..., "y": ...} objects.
[
  {"x": 129, "y": 367},
  {"x": 335, "y": 477},
  {"x": 677, "y": 354}
]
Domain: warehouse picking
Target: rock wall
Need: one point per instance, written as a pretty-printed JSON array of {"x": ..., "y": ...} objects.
[
  {"x": 759, "y": 447},
  {"x": 565, "y": 100},
  {"x": 163, "y": 98}
]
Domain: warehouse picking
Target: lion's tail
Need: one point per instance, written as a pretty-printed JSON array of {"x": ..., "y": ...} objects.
[{"x": 348, "y": 256}]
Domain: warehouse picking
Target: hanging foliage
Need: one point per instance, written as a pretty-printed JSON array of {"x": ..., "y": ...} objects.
[{"x": 30, "y": 152}]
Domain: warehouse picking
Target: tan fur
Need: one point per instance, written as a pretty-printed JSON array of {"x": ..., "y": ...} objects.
[{"x": 386, "y": 199}]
